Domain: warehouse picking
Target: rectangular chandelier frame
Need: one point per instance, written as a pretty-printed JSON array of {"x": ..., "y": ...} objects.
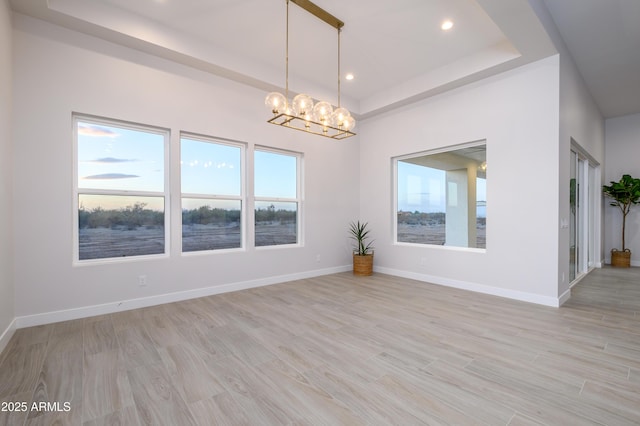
[{"x": 308, "y": 126}]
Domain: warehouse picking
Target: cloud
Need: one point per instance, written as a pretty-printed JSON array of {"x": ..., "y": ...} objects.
[
  {"x": 96, "y": 131},
  {"x": 106, "y": 176},
  {"x": 112, "y": 160}
]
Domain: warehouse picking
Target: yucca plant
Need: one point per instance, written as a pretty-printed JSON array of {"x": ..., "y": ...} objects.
[
  {"x": 624, "y": 194},
  {"x": 360, "y": 234}
]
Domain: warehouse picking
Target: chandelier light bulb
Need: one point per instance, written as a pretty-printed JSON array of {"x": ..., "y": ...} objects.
[
  {"x": 276, "y": 102},
  {"x": 323, "y": 110},
  {"x": 302, "y": 104},
  {"x": 288, "y": 110},
  {"x": 339, "y": 116},
  {"x": 308, "y": 116},
  {"x": 349, "y": 123}
]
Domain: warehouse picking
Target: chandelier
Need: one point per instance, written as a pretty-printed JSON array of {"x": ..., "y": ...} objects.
[{"x": 319, "y": 118}]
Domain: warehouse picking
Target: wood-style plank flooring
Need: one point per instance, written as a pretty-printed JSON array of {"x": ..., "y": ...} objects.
[{"x": 339, "y": 350}]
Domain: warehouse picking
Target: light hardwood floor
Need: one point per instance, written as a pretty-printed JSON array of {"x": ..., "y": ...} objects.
[{"x": 340, "y": 350}]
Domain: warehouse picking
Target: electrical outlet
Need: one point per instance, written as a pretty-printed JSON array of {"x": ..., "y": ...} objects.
[
  {"x": 142, "y": 280},
  {"x": 317, "y": 258}
]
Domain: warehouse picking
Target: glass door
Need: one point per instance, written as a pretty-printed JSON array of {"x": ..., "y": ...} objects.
[
  {"x": 593, "y": 252},
  {"x": 573, "y": 216},
  {"x": 583, "y": 221}
]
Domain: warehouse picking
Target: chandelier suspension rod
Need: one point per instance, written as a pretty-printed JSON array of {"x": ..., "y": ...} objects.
[
  {"x": 286, "y": 87},
  {"x": 339, "y": 31}
]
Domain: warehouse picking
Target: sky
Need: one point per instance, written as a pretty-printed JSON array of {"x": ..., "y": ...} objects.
[
  {"x": 118, "y": 158},
  {"x": 115, "y": 158},
  {"x": 422, "y": 189},
  {"x": 274, "y": 175},
  {"x": 210, "y": 169}
]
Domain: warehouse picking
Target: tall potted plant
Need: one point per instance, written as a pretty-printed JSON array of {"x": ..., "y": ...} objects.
[
  {"x": 362, "y": 250},
  {"x": 624, "y": 194}
]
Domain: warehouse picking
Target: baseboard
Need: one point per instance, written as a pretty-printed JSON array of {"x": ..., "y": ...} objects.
[
  {"x": 125, "y": 305},
  {"x": 478, "y": 288},
  {"x": 7, "y": 334},
  {"x": 564, "y": 297}
]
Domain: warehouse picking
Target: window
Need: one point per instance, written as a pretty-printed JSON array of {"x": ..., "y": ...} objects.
[
  {"x": 212, "y": 193},
  {"x": 120, "y": 189},
  {"x": 277, "y": 197},
  {"x": 441, "y": 197},
  {"x": 122, "y": 192}
]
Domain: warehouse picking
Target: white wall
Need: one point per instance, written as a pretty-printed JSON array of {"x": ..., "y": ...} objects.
[
  {"x": 580, "y": 121},
  {"x": 58, "y": 72},
  {"x": 517, "y": 113},
  {"x": 582, "y": 124},
  {"x": 6, "y": 256},
  {"x": 623, "y": 152}
]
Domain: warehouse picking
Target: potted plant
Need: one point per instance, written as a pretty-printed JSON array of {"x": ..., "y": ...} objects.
[
  {"x": 624, "y": 194},
  {"x": 363, "y": 249}
]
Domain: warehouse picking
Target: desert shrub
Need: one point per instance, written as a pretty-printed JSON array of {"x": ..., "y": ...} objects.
[{"x": 130, "y": 217}]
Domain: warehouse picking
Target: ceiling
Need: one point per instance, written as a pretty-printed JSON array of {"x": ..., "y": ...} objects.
[
  {"x": 396, "y": 49},
  {"x": 603, "y": 37}
]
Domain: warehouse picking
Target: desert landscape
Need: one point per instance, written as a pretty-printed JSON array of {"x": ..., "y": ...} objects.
[
  {"x": 136, "y": 230},
  {"x": 429, "y": 228}
]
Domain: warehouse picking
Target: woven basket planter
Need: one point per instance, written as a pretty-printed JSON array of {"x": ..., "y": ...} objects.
[
  {"x": 621, "y": 259},
  {"x": 363, "y": 264}
]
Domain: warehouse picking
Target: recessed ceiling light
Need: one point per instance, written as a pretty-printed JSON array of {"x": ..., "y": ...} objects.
[
  {"x": 349, "y": 76},
  {"x": 447, "y": 25}
]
